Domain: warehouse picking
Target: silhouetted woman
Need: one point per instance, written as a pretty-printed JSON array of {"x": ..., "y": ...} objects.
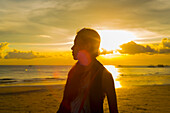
[{"x": 88, "y": 81}]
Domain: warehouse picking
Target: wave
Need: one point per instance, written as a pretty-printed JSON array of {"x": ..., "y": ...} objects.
[
  {"x": 7, "y": 80},
  {"x": 23, "y": 92},
  {"x": 11, "y": 80},
  {"x": 41, "y": 79}
]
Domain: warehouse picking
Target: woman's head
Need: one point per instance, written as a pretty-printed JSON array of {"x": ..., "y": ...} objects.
[{"x": 86, "y": 41}]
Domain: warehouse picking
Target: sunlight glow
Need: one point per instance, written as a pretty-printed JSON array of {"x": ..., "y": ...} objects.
[
  {"x": 112, "y": 39},
  {"x": 113, "y": 70}
]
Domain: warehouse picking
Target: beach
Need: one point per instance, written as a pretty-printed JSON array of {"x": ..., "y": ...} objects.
[
  {"x": 47, "y": 98},
  {"x": 39, "y": 89},
  {"x": 45, "y": 44}
]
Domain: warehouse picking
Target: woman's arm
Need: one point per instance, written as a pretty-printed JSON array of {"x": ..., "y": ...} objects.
[{"x": 108, "y": 84}]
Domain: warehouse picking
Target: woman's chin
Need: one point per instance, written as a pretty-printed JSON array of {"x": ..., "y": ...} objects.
[{"x": 74, "y": 57}]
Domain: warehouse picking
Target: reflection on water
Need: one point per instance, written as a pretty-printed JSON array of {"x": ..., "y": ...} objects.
[
  {"x": 115, "y": 74},
  {"x": 139, "y": 76},
  {"x": 49, "y": 75}
]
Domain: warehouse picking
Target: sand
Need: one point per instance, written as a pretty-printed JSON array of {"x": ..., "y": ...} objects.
[{"x": 46, "y": 99}]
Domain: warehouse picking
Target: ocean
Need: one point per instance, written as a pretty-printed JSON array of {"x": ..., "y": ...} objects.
[{"x": 124, "y": 76}]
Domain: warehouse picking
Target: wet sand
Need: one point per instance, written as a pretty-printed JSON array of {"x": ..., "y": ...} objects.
[{"x": 46, "y": 99}]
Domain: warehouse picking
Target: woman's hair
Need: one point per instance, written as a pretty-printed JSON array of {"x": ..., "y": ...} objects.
[{"x": 90, "y": 36}]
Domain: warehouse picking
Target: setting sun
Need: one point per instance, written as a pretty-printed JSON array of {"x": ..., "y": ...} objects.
[{"x": 112, "y": 39}]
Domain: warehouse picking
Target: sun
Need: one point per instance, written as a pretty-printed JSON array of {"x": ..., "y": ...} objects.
[{"x": 112, "y": 39}]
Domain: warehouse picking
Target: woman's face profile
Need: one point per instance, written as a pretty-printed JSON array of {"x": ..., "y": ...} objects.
[
  {"x": 80, "y": 53},
  {"x": 76, "y": 48}
]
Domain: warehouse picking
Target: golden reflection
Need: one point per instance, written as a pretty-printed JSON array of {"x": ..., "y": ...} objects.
[{"x": 114, "y": 71}]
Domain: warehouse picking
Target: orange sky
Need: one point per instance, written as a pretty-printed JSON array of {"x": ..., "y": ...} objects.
[{"x": 42, "y": 32}]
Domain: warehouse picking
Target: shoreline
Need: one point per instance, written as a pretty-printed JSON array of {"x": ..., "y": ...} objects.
[{"x": 62, "y": 85}]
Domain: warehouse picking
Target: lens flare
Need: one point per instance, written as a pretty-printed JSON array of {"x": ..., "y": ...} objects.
[{"x": 84, "y": 57}]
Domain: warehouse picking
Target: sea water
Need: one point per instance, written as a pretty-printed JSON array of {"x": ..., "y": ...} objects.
[{"x": 27, "y": 75}]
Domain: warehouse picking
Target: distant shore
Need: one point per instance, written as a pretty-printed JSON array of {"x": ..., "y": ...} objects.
[
  {"x": 144, "y": 66},
  {"x": 46, "y": 99}
]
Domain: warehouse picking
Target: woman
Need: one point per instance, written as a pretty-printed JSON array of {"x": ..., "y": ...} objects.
[{"x": 88, "y": 81}]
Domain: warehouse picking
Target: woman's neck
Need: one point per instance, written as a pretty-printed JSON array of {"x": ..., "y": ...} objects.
[{"x": 86, "y": 67}]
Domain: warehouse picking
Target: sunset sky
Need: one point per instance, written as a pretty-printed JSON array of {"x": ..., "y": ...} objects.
[{"x": 41, "y": 32}]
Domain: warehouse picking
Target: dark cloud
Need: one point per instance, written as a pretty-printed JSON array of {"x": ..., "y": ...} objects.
[
  {"x": 164, "y": 46},
  {"x": 164, "y": 51},
  {"x": 15, "y": 54},
  {"x": 104, "y": 52},
  {"x": 133, "y": 48},
  {"x": 165, "y": 42}
]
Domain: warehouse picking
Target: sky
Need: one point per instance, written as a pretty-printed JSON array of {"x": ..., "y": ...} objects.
[{"x": 41, "y": 32}]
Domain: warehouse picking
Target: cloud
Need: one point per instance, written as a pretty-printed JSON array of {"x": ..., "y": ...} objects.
[
  {"x": 24, "y": 20},
  {"x": 164, "y": 51},
  {"x": 15, "y": 54},
  {"x": 120, "y": 13},
  {"x": 104, "y": 52},
  {"x": 46, "y": 36},
  {"x": 164, "y": 46},
  {"x": 133, "y": 48},
  {"x": 3, "y": 46},
  {"x": 165, "y": 43}
]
